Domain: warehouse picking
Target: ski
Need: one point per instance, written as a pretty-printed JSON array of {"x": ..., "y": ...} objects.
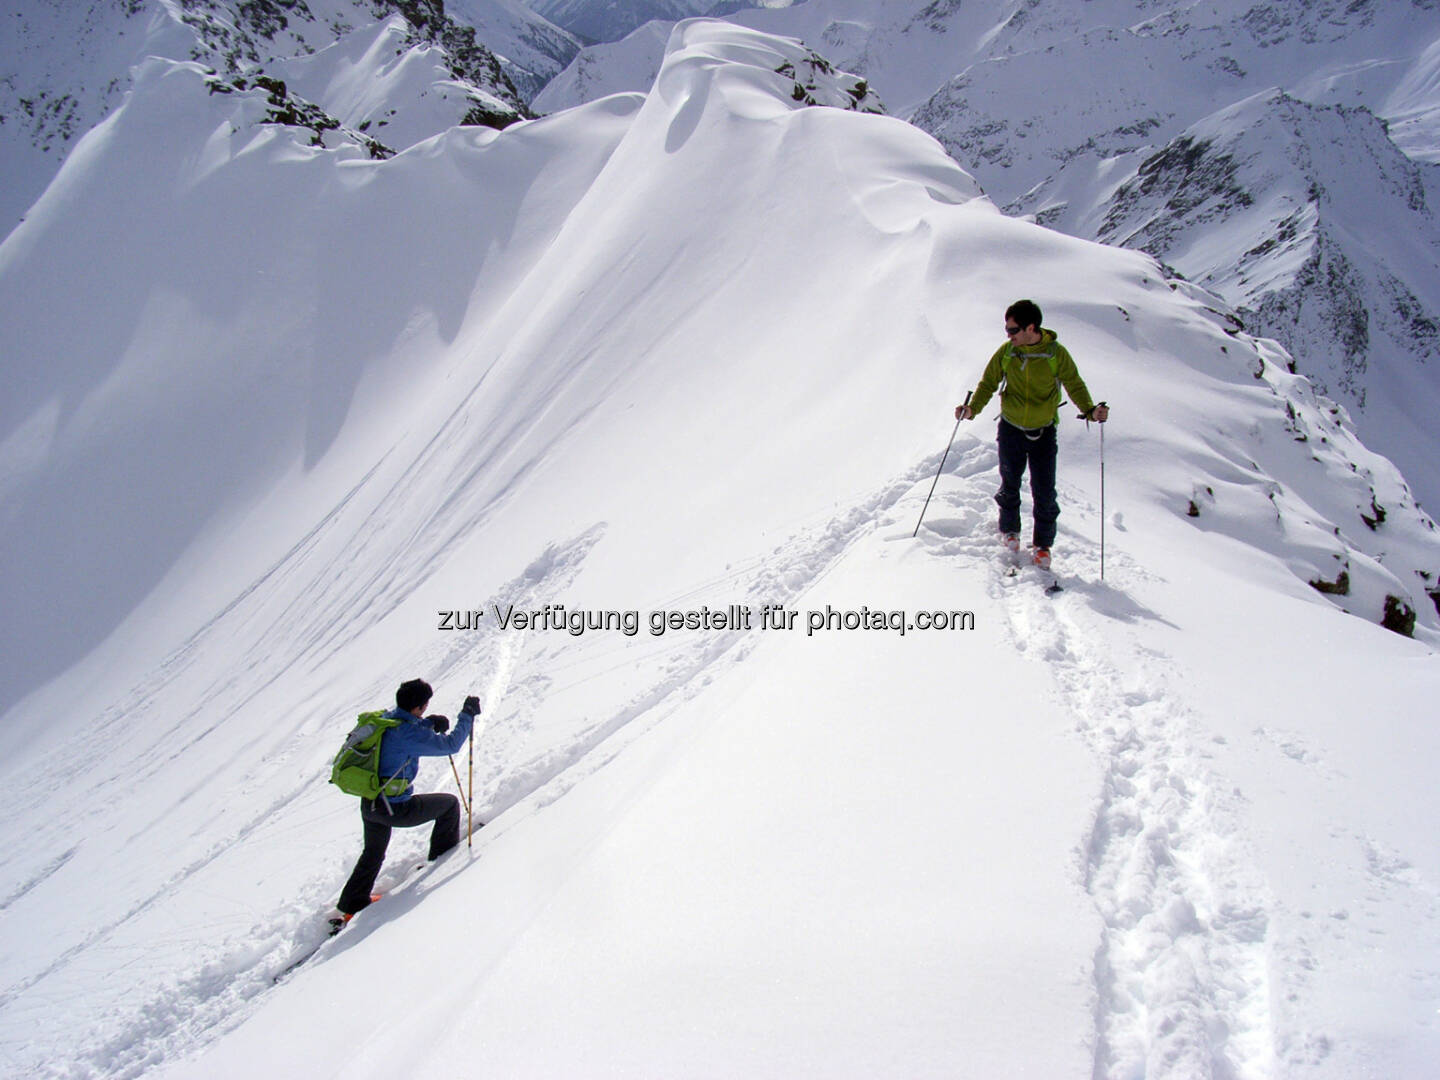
[
  {"x": 335, "y": 928},
  {"x": 335, "y": 925},
  {"x": 291, "y": 967}
]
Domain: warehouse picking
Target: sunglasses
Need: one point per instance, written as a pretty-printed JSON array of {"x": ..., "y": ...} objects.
[{"x": 1011, "y": 331}]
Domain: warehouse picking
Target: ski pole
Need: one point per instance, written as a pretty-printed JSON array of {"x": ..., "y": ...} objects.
[
  {"x": 942, "y": 466},
  {"x": 1086, "y": 418},
  {"x": 469, "y": 802},
  {"x": 459, "y": 786},
  {"x": 1102, "y": 500}
]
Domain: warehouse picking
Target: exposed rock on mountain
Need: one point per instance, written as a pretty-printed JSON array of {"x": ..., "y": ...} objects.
[{"x": 407, "y": 66}]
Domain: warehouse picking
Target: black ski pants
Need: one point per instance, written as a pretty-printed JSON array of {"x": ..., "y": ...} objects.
[
  {"x": 1017, "y": 450},
  {"x": 379, "y": 819}
]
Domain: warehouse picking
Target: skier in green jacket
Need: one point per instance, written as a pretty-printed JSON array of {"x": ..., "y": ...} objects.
[{"x": 1029, "y": 370}]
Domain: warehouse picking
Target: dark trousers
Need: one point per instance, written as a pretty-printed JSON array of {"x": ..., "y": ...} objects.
[
  {"x": 444, "y": 810},
  {"x": 1017, "y": 450}
]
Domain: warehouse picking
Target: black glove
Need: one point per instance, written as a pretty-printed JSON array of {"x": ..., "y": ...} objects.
[
  {"x": 472, "y": 705},
  {"x": 441, "y": 724}
]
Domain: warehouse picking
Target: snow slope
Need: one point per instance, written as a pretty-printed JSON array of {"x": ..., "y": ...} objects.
[
  {"x": 658, "y": 354},
  {"x": 63, "y": 71},
  {"x": 628, "y": 65}
]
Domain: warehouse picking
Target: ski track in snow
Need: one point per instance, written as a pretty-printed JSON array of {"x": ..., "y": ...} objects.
[
  {"x": 232, "y": 975},
  {"x": 1181, "y": 972},
  {"x": 39, "y": 877},
  {"x": 1180, "y": 975}
]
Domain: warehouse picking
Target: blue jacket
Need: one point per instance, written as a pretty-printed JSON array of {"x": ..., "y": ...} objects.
[{"x": 402, "y": 747}]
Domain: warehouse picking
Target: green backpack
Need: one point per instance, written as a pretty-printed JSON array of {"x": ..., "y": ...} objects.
[{"x": 357, "y": 766}]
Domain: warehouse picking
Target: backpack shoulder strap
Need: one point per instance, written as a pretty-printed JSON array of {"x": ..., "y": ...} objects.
[{"x": 1011, "y": 356}]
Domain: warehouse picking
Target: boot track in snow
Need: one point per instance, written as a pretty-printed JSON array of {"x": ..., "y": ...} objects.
[{"x": 1180, "y": 972}]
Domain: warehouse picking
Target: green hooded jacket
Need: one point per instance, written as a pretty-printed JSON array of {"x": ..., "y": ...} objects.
[{"x": 1032, "y": 377}]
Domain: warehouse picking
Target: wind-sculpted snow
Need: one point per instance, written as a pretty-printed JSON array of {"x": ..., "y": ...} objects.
[
  {"x": 322, "y": 251},
  {"x": 296, "y": 409}
]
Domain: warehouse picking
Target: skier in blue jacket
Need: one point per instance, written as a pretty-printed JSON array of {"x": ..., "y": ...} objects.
[{"x": 401, "y": 747}]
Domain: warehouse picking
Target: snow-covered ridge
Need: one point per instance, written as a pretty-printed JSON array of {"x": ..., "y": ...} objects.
[{"x": 699, "y": 346}]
